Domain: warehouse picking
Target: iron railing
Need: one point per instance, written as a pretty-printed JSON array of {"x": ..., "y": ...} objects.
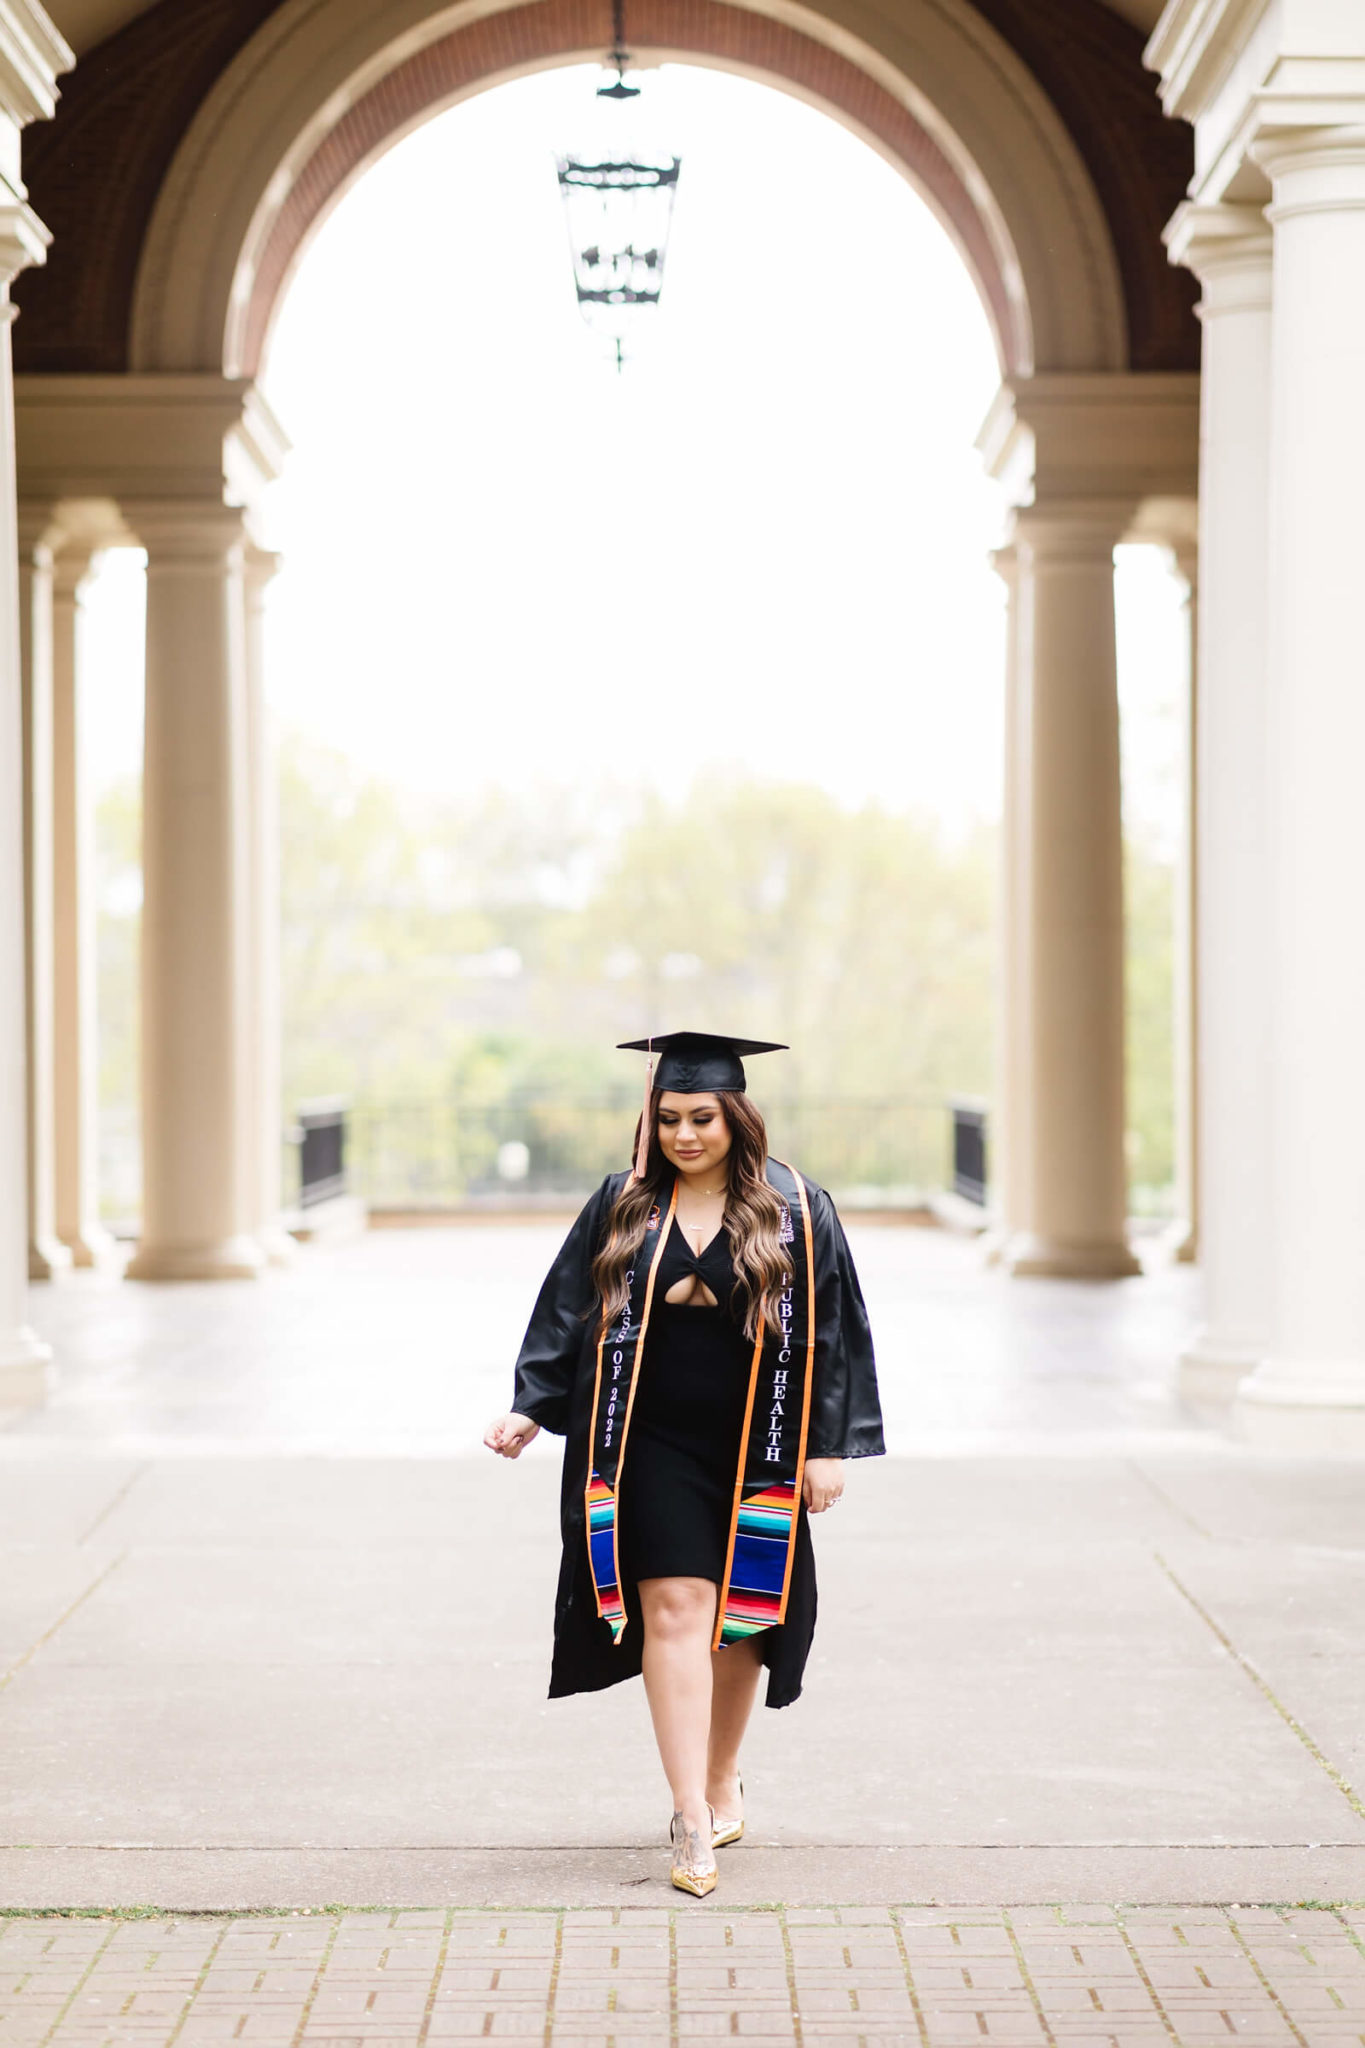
[
  {"x": 536, "y": 1147},
  {"x": 322, "y": 1151},
  {"x": 969, "y": 1151}
]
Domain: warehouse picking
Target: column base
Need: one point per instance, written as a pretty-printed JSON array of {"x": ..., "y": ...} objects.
[
  {"x": 279, "y": 1247},
  {"x": 1212, "y": 1372},
  {"x": 231, "y": 1258},
  {"x": 1031, "y": 1255},
  {"x": 47, "y": 1256},
  {"x": 1303, "y": 1410},
  {"x": 24, "y": 1365},
  {"x": 994, "y": 1244},
  {"x": 1181, "y": 1243},
  {"x": 92, "y": 1246}
]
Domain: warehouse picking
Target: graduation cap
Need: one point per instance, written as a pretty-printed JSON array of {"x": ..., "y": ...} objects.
[{"x": 692, "y": 1063}]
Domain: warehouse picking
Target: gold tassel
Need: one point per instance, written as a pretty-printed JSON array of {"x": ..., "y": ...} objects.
[{"x": 642, "y": 1149}]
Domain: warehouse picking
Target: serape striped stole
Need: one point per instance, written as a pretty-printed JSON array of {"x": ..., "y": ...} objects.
[{"x": 772, "y": 1448}]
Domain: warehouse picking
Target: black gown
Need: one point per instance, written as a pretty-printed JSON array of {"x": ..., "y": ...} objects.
[
  {"x": 685, "y": 1422},
  {"x": 553, "y": 1385}
]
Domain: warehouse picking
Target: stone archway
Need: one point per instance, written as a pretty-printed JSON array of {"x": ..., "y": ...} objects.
[
  {"x": 1096, "y": 417},
  {"x": 318, "y": 92}
]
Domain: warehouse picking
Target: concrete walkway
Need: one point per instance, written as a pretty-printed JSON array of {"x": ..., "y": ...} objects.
[
  {"x": 259, "y": 1681},
  {"x": 258, "y": 1649}
]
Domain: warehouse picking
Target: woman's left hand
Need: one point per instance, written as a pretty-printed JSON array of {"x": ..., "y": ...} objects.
[{"x": 823, "y": 1483}]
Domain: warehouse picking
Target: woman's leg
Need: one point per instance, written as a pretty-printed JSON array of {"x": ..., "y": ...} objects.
[
  {"x": 734, "y": 1685},
  {"x": 679, "y": 1617}
]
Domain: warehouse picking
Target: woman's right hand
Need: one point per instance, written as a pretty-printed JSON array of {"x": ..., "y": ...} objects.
[{"x": 510, "y": 1434}]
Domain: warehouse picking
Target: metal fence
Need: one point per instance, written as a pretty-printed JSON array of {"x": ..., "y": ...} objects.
[
  {"x": 969, "y": 1151},
  {"x": 534, "y": 1147}
]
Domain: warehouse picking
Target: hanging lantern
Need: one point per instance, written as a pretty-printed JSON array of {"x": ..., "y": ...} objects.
[{"x": 619, "y": 209}]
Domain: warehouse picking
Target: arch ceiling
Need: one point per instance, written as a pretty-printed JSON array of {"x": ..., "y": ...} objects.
[
  {"x": 84, "y": 23},
  {"x": 198, "y": 145}
]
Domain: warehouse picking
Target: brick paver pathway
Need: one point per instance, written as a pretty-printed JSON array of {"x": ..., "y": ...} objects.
[{"x": 1079, "y": 1977}]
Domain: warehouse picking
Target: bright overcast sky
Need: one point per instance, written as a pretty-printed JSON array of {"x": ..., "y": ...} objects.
[{"x": 763, "y": 545}]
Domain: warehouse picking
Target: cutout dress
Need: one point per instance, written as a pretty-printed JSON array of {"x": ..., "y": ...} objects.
[
  {"x": 685, "y": 1431},
  {"x": 686, "y": 1421}
]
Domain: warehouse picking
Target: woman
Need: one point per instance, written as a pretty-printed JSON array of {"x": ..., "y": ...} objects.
[{"x": 702, "y": 1343}]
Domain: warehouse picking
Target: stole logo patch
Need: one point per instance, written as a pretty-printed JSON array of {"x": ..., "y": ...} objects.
[
  {"x": 618, "y": 1338},
  {"x": 777, "y": 1413}
]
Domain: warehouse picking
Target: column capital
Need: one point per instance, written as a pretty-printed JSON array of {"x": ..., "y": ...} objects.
[
  {"x": 189, "y": 532},
  {"x": 83, "y": 528},
  {"x": 1313, "y": 170},
  {"x": 148, "y": 437},
  {"x": 261, "y": 565},
  {"x": 1005, "y": 562},
  {"x": 1230, "y": 251},
  {"x": 33, "y": 56},
  {"x": 24, "y": 241},
  {"x": 71, "y": 567},
  {"x": 1090, "y": 435},
  {"x": 38, "y": 533},
  {"x": 1072, "y": 529}
]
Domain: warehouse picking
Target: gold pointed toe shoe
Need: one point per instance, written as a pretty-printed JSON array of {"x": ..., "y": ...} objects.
[
  {"x": 726, "y": 1831},
  {"x": 694, "y": 1867}
]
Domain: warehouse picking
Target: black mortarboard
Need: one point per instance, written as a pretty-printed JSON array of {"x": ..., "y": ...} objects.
[
  {"x": 692, "y": 1063},
  {"x": 699, "y": 1062}
]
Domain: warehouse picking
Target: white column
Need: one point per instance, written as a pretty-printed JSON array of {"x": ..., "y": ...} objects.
[
  {"x": 76, "y": 1045},
  {"x": 1006, "y": 1129},
  {"x": 1184, "y": 1242},
  {"x": 33, "y": 55},
  {"x": 1309, "y": 1394},
  {"x": 265, "y": 1119},
  {"x": 1074, "y": 1180},
  {"x": 46, "y": 1254},
  {"x": 198, "y": 1206},
  {"x": 23, "y": 1356},
  {"x": 1229, "y": 249}
]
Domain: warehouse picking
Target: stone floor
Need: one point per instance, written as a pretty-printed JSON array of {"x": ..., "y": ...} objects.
[
  {"x": 1085, "y": 1977},
  {"x": 401, "y": 1342},
  {"x": 274, "y": 1632}
]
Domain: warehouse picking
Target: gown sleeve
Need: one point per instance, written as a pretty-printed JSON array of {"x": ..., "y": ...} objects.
[
  {"x": 548, "y": 1360},
  {"x": 846, "y": 1414}
]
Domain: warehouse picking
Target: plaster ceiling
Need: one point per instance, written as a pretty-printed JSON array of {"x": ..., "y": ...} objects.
[{"x": 87, "y": 22}]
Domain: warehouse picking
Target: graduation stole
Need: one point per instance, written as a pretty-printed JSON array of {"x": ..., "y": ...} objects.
[{"x": 772, "y": 1447}]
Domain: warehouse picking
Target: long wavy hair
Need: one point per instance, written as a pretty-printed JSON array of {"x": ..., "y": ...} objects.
[{"x": 753, "y": 1218}]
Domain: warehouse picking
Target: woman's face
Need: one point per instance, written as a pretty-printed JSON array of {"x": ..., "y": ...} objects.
[{"x": 694, "y": 1136}]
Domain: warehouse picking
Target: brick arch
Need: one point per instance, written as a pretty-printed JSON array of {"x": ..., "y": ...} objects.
[
  {"x": 1035, "y": 132},
  {"x": 525, "y": 38}
]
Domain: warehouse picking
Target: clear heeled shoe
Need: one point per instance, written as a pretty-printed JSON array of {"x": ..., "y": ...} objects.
[
  {"x": 724, "y": 1831},
  {"x": 694, "y": 1867}
]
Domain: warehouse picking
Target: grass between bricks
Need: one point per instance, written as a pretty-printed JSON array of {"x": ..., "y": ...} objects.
[{"x": 333, "y": 1910}]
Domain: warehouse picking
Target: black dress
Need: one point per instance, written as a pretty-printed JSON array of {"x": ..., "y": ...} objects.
[
  {"x": 686, "y": 1421},
  {"x": 554, "y": 1385}
]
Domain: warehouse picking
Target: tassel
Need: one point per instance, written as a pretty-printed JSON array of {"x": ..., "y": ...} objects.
[{"x": 642, "y": 1149}]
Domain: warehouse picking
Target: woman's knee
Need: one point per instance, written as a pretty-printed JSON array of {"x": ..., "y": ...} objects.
[{"x": 677, "y": 1610}]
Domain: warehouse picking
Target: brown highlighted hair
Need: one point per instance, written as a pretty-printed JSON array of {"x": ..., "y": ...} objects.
[{"x": 753, "y": 1217}]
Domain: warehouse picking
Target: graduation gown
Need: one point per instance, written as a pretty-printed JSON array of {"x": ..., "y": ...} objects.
[{"x": 554, "y": 1385}]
